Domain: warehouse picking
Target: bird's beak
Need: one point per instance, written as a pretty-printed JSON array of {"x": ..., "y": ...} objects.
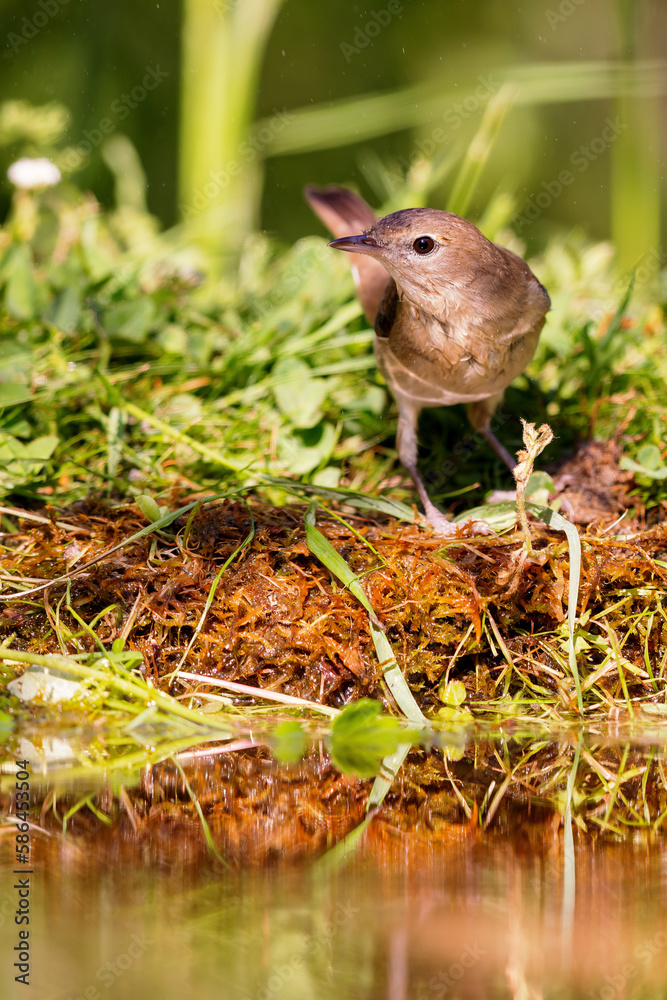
[{"x": 356, "y": 244}]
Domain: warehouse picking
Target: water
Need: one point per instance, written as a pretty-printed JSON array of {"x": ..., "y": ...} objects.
[{"x": 430, "y": 905}]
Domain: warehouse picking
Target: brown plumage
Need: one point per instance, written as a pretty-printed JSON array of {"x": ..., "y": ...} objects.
[{"x": 456, "y": 317}]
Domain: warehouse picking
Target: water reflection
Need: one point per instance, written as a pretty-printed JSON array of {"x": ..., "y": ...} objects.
[{"x": 430, "y": 905}]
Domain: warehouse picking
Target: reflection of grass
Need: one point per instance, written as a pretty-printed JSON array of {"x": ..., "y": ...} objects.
[
  {"x": 496, "y": 787},
  {"x": 140, "y": 724}
]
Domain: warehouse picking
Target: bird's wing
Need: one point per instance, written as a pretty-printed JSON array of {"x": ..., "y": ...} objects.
[
  {"x": 386, "y": 314},
  {"x": 418, "y": 356}
]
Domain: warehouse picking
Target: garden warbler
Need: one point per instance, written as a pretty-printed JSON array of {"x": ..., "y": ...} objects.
[{"x": 456, "y": 317}]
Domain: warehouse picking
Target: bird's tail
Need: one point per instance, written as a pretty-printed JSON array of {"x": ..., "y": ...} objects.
[{"x": 345, "y": 213}]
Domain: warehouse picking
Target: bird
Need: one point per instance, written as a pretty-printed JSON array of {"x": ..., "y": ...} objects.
[{"x": 456, "y": 316}]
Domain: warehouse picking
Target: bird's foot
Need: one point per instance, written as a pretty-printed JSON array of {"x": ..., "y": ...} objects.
[
  {"x": 501, "y": 496},
  {"x": 478, "y": 527},
  {"x": 443, "y": 526}
]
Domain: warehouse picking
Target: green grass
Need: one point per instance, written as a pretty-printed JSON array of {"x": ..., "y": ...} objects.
[{"x": 122, "y": 373}]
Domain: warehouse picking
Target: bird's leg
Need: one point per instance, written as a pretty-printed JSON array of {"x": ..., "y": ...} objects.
[
  {"x": 500, "y": 449},
  {"x": 479, "y": 415},
  {"x": 406, "y": 443}
]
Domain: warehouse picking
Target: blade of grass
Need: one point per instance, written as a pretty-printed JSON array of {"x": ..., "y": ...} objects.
[
  {"x": 617, "y": 784},
  {"x": 136, "y": 688},
  {"x": 479, "y": 150},
  {"x": 613, "y": 639},
  {"x": 208, "y": 836},
  {"x": 337, "y": 856},
  {"x": 362, "y": 501},
  {"x": 323, "y": 550},
  {"x": 265, "y": 693},
  {"x": 556, "y": 520},
  {"x": 182, "y": 438},
  {"x": 391, "y": 765},
  {"x": 81, "y": 804},
  {"x": 356, "y": 119},
  {"x": 29, "y": 515},
  {"x": 221, "y": 51},
  {"x": 569, "y": 867}
]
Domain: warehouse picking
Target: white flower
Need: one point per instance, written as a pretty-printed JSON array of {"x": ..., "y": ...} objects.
[{"x": 27, "y": 173}]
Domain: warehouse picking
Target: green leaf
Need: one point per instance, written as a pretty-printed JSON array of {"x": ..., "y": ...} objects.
[
  {"x": 149, "y": 508},
  {"x": 322, "y": 548},
  {"x": 499, "y": 516},
  {"x": 16, "y": 362},
  {"x": 21, "y": 463},
  {"x": 453, "y": 693},
  {"x": 11, "y": 393},
  {"x": 361, "y": 736},
  {"x": 131, "y": 320},
  {"x": 288, "y": 742},
  {"x": 299, "y": 396},
  {"x": 556, "y": 520},
  {"x": 181, "y": 410},
  {"x": 66, "y": 309},
  {"x": 539, "y": 486},
  {"x": 173, "y": 339},
  {"x": 649, "y": 463},
  {"x": 98, "y": 265},
  {"x": 20, "y": 289},
  {"x": 451, "y": 715},
  {"x": 328, "y": 477},
  {"x": 42, "y": 448},
  {"x": 302, "y": 451}
]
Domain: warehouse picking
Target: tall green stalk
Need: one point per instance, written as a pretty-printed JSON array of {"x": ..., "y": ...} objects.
[
  {"x": 479, "y": 150},
  {"x": 635, "y": 156},
  {"x": 219, "y": 179}
]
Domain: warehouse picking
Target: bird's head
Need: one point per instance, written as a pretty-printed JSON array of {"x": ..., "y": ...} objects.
[{"x": 424, "y": 250}]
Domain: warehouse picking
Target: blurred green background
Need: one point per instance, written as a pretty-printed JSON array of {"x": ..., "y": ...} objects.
[{"x": 221, "y": 64}]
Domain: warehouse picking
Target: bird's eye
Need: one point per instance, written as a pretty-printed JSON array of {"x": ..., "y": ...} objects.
[{"x": 423, "y": 244}]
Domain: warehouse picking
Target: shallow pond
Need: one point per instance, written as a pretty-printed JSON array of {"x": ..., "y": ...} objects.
[{"x": 428, "y": 903}]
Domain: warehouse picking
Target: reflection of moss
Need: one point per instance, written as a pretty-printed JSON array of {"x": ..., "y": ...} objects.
[{"x": 258, "y": 811}]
